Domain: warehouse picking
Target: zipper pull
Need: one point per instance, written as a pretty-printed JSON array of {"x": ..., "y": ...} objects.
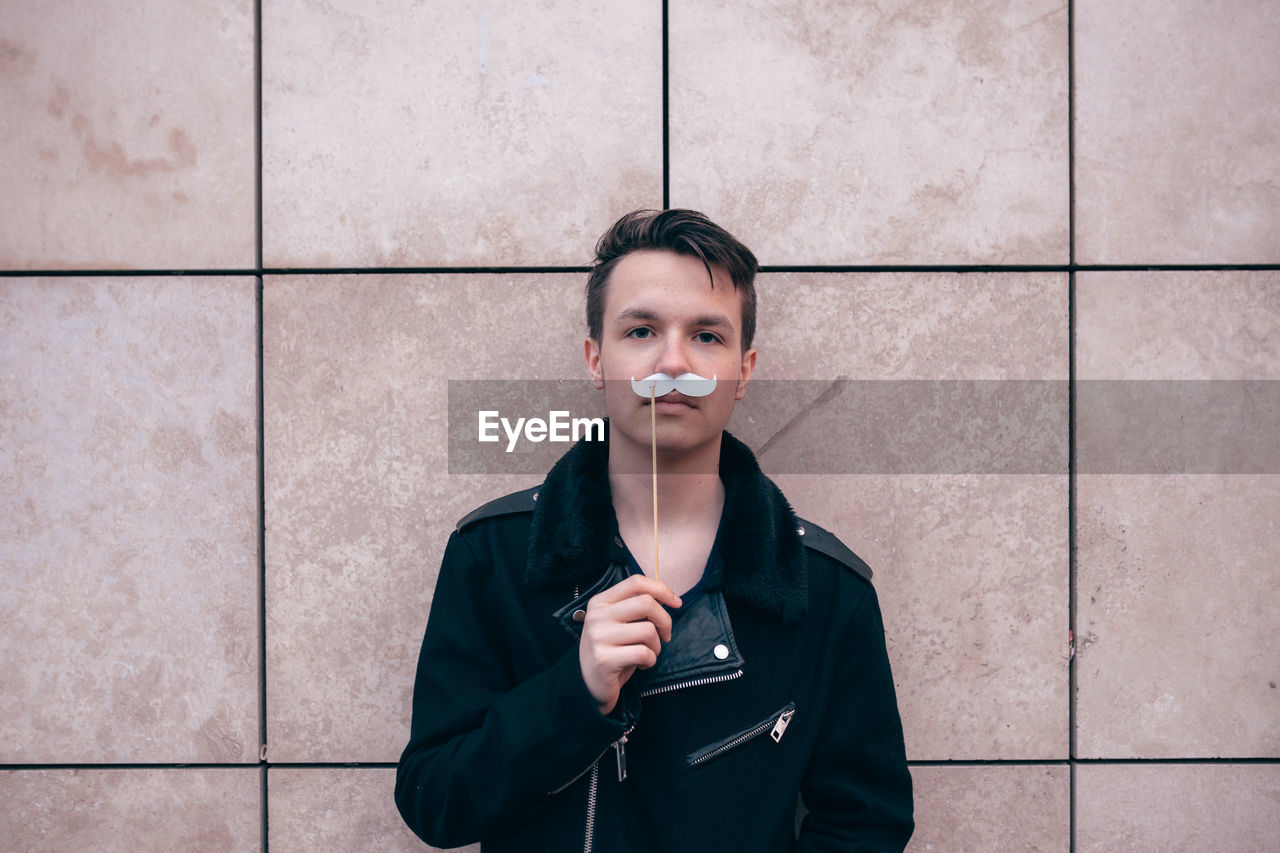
[
  {"x": 780, "y": 727},
  {"x": 620, "y": 748}
]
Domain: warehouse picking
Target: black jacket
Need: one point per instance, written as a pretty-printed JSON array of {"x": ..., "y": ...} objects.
[{"x": 777, "y": 684}]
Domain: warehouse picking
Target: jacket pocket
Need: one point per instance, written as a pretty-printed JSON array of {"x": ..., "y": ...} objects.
[{"x": 775, "y": 725}]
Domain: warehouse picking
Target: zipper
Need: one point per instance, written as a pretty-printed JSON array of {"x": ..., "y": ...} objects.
[
  {"x": 697, "y": 682},
  {"x": 620, "y": 752},
  {"x": 618, "y": 746},
  {"x": 592, "y": 790},
  {"x": 776, "y": 724}
]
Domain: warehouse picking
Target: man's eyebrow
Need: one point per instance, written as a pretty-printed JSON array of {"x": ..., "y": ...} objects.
[
  {"x": 628, "y": 315},
  {"x": 713, "y": 320}
]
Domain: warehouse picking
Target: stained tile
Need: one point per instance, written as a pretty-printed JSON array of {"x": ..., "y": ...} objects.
[
  {"x": 128, "y": 520},
  {"x": 1177, "y": 112},
  {"x": 447, "y": 134},
  {"x": 971, "y": 569},
  {"x": 992, "y": 808},
  {"x": 123, "y": 811},
  {"x": 904, "y": 132},
  {"x": 1178, "y": 610},
  {"x": 349, "y": 809},
  {"x": 128, "y": 131},
  {"x": 358, "y": 496},
  {"x": 1227, "y": 808},
  {"x": 1177, "y": 605}
]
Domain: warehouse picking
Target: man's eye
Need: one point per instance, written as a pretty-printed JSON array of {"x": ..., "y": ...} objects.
[
  {"x": 708, "y": 337},
  {"x": 640, "y": 332}
]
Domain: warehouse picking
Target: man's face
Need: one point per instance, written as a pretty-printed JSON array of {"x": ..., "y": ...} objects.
[{"x": 661, "y": 315}]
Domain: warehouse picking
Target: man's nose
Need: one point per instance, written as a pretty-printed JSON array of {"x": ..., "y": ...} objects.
[{"x": 674, "y": 358}]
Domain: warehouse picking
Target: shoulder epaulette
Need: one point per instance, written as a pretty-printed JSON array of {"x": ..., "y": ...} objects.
[
  {"x": 826, "y": 542},
  {"x": 522, "y": 501}
]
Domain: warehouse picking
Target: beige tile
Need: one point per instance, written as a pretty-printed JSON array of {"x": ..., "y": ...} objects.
[
  {"x": 904, "y": 132},
  {"x": 971, "y": 572},
  {"x": 128, "y": 520},
  {"x": 1169, "y": 808},
  {"x": 1177, "y": 616},
  {"x": 124, "y": 811},
  {"x": 359, "y": 501},
  {"x": 1178, "y": 325},
  {"x": 348, "y": 809},
  {"x": 1177, "y": 137},
  {"x": 971, "y": 569},
  {"x": 128, "y": 131},
  {"x": 878, "y": 326},
  {"x": 992, "y": 808},
  {"x": 1177, "y": 605},
  {"x": 448, "y": 134}
]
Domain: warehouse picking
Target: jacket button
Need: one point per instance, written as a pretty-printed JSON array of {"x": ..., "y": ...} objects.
[
  {"x": 535, "y": 496},
  {"x": 617, "y": 540},
  {"x": 579, "y": 616},
  {"x": 721, "y": 651},
  {"x": 800, "y": 530}
]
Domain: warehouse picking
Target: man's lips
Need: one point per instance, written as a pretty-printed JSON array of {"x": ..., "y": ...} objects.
[{"x": 675, "y": 398}]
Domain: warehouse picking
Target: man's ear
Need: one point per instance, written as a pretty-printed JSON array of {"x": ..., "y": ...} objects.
[
  {"x": 744, "y": 375},
  {"x": 591, "y": 351}
]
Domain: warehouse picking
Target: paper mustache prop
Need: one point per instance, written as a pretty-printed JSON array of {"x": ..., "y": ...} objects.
[
  {"x": 654, "y": 386},
  {"x": 662, "y": 384}
]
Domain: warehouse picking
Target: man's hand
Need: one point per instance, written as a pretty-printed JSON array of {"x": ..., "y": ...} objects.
[{"x": 624, "y": 628}]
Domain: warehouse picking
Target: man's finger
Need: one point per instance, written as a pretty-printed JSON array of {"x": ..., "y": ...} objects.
[
  {"x": 638, "y": 585},
  {"x": 639, "y": 608},
  {"x": 617, "y": 634}
]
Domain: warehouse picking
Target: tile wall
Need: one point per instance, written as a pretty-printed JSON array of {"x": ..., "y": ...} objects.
[{"x": 246, "y": 246}]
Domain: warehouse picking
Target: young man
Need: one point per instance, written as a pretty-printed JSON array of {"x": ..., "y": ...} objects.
[{"x": 577, "y": 691}]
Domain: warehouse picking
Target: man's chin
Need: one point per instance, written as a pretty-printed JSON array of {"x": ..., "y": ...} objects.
[{"x": 676, "y": 435}]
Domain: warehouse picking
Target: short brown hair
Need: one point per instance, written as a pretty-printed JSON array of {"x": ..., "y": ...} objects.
[{"x": 685, "y": 232}]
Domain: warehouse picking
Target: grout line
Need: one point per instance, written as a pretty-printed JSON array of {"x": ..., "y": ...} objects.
[
  {"x": 157, "y": 765},
  {"x": 780, "y": 268},
  {"x": 391, "y": 765},
  {"x": 666, "y": 113},
  {"x": 125, "y": 273},
  {"x": 1072, "y": 565},
  {"x": 421, "y": 270},
  {"x": 1080, "y": 762},
  {"x": 332, "y": 765},
  {"x": 257, "y": 133},
  {"x": 989, "y": 762},
  {"x": 1005, "y": 268},
  {"x": 206, "y": 765},
  {"x": 911, "y": 268},
  {"x": 1071, "y": 135},
  {"x": 1071, "y": 808},
  {"x": 262, "y": 571},
  {"x": 1072, "y": 591},
  {"x": 823, "y": 268},
  {"x": 262, "y": 417},
  {"x": 265, "y": 817},
  {"x": 1072, "y": 562}
]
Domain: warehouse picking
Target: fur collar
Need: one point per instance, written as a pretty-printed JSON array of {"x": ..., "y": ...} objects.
[{"x": 764, "y": 558}]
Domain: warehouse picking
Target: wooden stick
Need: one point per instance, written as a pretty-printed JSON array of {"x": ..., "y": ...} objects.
[{"x": 653, "y": 444}]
